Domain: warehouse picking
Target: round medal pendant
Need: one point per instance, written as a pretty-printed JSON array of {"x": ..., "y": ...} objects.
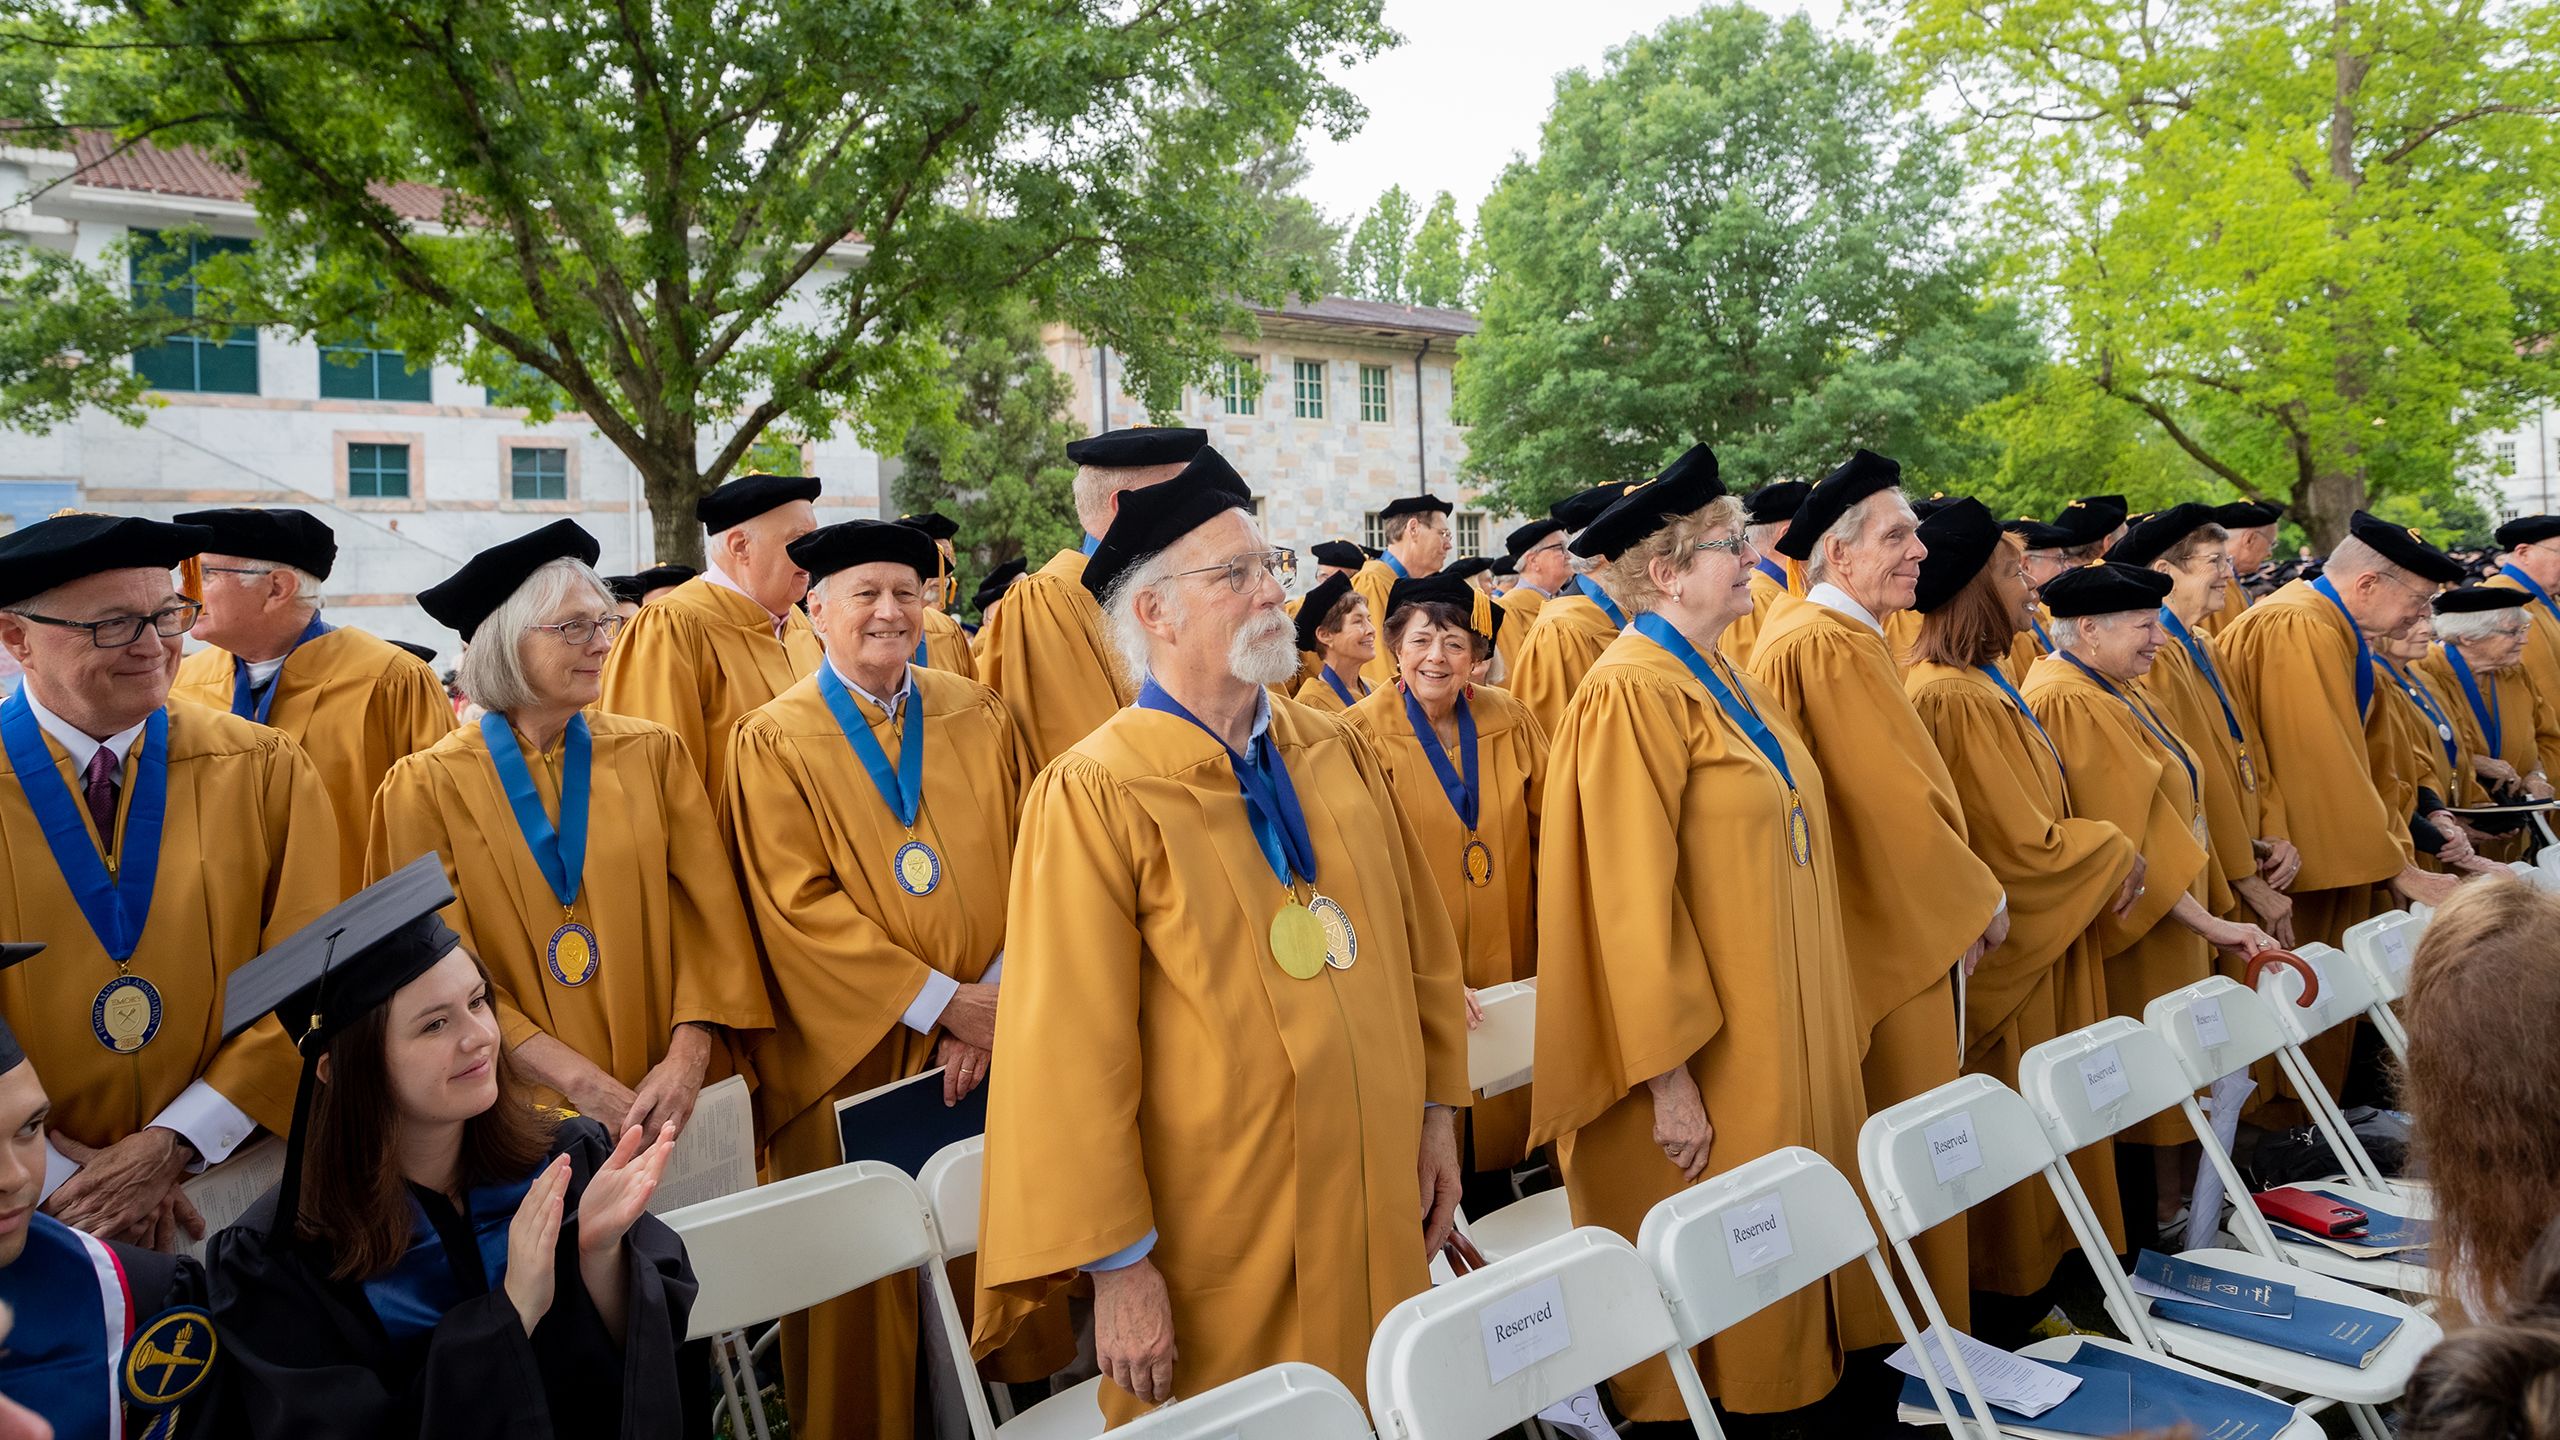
[
  {"x": 2248, "y": 772},
  {"x": 1479, "y": 864},
  {"x": 1341, "y": 942},
  {"x": 919, "y": 869},
  {"x": 1297, "y": 941},
  {"x": 1800, "y": 836},
  {"x": 127, "y": 1014},
  {"x": 573, "y": 953},
  {"x": 2444, "y": 732}
]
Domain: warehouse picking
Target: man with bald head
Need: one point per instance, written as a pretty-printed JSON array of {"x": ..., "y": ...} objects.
[
  {"x": 154, "y": 848},
  {"x": 1043, "y": 652},
  {"x": 731, "y": 638},
  {"x": 1231, "y": 994}
]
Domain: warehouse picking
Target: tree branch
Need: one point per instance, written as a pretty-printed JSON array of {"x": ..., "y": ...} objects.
[{"x": 2405, "y": 148}]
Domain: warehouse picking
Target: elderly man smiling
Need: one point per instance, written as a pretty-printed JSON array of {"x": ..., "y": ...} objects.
[{"x": 1231, "y": 990}]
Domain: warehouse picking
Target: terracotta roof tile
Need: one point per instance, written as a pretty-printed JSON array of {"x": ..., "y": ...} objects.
[{"x": 188, "y": 171}]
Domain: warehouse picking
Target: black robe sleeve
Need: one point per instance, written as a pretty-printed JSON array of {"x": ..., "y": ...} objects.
[{"x": 309, "y": 1359}]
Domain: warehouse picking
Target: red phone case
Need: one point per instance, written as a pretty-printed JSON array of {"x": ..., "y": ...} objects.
[{"x": 2312, "y": 1214}]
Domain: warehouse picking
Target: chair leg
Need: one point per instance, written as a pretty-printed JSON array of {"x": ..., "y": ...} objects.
[
  {"x": 2368, "y": 1422},
  {"x": 744, "y": 1403}
]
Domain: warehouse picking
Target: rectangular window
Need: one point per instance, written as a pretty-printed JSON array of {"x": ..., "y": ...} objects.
[
  {"x": 377, "y": 472},
  {"x": 374, "y": 375},
  {"x": 538, "y": 472},
  {"x": 1307, "y": 386},
  {"x": 1238, "y": 389},
  {"x": 2504, "y": 457},
  {"x": 224, "y": 364},
  {"x": 1372, "y": 534},
  {"x": 1470, "y": 529},
  {"x": 1373, "y": 393}
]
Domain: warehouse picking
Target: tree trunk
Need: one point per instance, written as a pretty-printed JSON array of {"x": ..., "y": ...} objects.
[
  {"x": 2321, "y": 507},
  {"x": 671, "y": 520}
]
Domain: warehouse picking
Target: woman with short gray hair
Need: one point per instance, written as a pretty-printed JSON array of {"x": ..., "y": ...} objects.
[
  {"x": 620, "y": 960},
  {"x": 2509, "y": 732}
]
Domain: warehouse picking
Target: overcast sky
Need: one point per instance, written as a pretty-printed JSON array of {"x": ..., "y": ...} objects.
[{"x": 1470, "y": 85}]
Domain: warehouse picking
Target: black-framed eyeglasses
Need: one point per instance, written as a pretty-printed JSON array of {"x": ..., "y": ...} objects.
[
  {"x": 1552, "y": 547},
  {"x": 578, "y": 632},
  {"x": 117, "y": 631},
  {"x": 1247, "y": 570}
]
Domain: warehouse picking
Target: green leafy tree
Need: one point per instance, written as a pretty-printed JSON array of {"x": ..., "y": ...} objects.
[
  {"x": 1730, "y": 234},
  {"x": 1374, "y": 259},
  {"x": 1299, "y": 240},
  {"x": 1441, "y": 266},
  {"x": 2306, "y": 241},
  {"x": 997, "y": 463},
  {"x": 692, "y": 220}
]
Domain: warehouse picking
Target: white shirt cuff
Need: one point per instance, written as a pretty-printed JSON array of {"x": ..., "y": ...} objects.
[
  {"x": 213, "y": 1125},
  {"x": 925, "y": 1011},
  {"x": 58, "y": 1167},
  {"x": 1123, "y": 1259},
  {"x": 2004, "y": 906},
  {"x": 995, "y": 971}
]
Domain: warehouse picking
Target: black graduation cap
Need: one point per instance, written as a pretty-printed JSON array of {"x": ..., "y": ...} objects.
[
  {"x": 1467, "y": 568},
  {"x": 284, "y": 537},
  {"x": 12, "y": 1054},
  {"x": 1341, "y": 554},
  {"x": 1962, "y": 537},
  {"x": 2040, "y": 536},
  {"x": 2526, "y": 529},
  {"x": 1319, "y": 604},
  {"x": 2081, "y": 524},
  {"x": 992, "y": 589},
  {"x": 2247, "y": 514},
  {"x": 485, "y": 581},
  {"x": 1863, "y": 474},
  {"x": 1578, "y": 510},
  {"x": 1138, "y": 446},
  {"x": 830, "y": 548},
  {"x": 749, "y": 496},
  {"x": 2405, "y": 548},
  {"x": 2475, "y": 599},
  {"x": 1404, "y": 505},
  {"x": 636, "y": 588},
  {"x": 2111, "y": 506},
  {"x": 65, "y": 548},
  {"x": 2158, "y": 533},
  {"x": 1152, "y": 517},
  {"x": 1483, "y": 616},
  {"x": 1507, "y": 565},
  {"x": 1519, "y": 541},
  {"x": 933, "y": 523},
  {"x": 1688, "y": 483},
  {"x": 1775, "y": 501},
  {"x": 425, "y": 653},
  {"x": 2106, "y": 588}
]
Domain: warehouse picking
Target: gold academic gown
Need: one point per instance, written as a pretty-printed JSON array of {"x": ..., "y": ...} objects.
[
  {"x": 1316, "y": 695},
  {"x": 672, "y": 944},
  {"x": 1521, "y": 604},
  {"x": 355, "y": 703},
  {"x": 248, "y": 855},
  {"x": 1373, "y": 582},
  {"x": 1496, "y": 921},
  {"x": 2527, "y": 729},
  {"x": 2407, "y": 753},
  {"x": 2178, "y": 693},
  {"x": 1570, "y": 633},
  {"x": 1675, "y": 929},
  {"x": 697, "y": 661},
  {"x": 1913, "y": 896},
  {"x": 2062, "y": 872},
  {"x": 2291, "y": 662},
  {"x": 1044, "y": 653},
  {"x": 1740, "y": 637},
  {"x": 846, "y": 950},
  {"x": 2541, "y": 657},
  {"x": 2122, "y": 773},
  {"x": 946, "y": 646},
  {"x": 1902, "y": 637},
  {"x": 1162, "y": 1074}
]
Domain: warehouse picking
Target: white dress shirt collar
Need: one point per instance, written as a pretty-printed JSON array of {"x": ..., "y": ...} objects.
[
  {"x": 1832, "y": 597},
  {"x": 714, "y": 575},
  {"x": 889, "y": 703},
  {"x": 76, "y": 743}
]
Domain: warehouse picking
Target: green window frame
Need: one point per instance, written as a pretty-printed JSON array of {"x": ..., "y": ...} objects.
[
  {"x": 538, "y": 472},
  {"x": 376, "y": 374},
  {"x": 1306, "y": 383},
  {"x": 192, "y": 364},
  {"x": 377, "y": 471},
  {"x": 1373, "y": 394},
  {"x": 1238, "y": 391}
]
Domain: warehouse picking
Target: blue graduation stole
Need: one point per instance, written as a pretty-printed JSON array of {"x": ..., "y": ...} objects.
[
  {"x": 1270, "y": 799},
  {"x": 1776, "y": 572},
  {"x": 2196, "y": 651},
  {"x": 249, "y": 705},
  {"x": 2035, "y": 622},
  {"x": 2532, "y": 588},
  {"x": 2150, "y": 722},
  {"x": 2492, "y": 728},
  {"x": 901, "y": 788},
  {"x": 2426, "y": 704},
  {"x": 1456, "y": 782},
  {"x": 560, "y": 851},
  {"x": 2021, "y": 702},
  {"x": 1091, "y": 544},
  {"x": 1600, "y": 597},
  {"x": 64, "y": 1351},
  {"x": 117, "y": 902},
  {"x": 429, "y": 1278},
  {"x": 1388, "y": 559},
  {"x": 1744, "y": 716},
  {"x": 1334, "y": 682},
  {"x": 2364, "y": 652}
]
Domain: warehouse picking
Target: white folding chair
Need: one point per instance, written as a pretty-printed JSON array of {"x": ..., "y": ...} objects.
[
  {"x": 950, "y": 1182},
  {"x": 2549, "y": 858},
  {"x": 1796, "y": 1194},
  {"x": 1581, "y": 1308},
  {"x": 2134, "y": 1072},
  {"x": 2345, "y": 995},
  {"x": 1500, "y": 1053},
  {"x": 2383, "y": 947},
  {"x": 1288, "y": 1401},
  {"x": 778, "y": 1249},
  {"x": 1982, "y": 1137}
]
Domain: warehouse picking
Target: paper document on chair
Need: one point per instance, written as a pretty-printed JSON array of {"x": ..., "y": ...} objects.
[
  {"x": 1524, "y": 1327},
  {"x": 1953, "y": 1147},
  {"x": 2211, "y": 1032},
  {"x": 715, "y": 1151},
  {"x": 2163, "y": 1277},
  {"x": 2396, "y": 950},
  {"x": 2011, "y": 1382},
  {"x": 1755, "y": 1234},
  {"x": 2102, "y": 1077}
]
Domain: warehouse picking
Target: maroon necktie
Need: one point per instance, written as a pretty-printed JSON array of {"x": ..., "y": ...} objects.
[{"x": 101, "y": 789}]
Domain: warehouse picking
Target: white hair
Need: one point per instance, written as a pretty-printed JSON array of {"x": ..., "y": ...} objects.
[
  {"x": 2477, "y": 625},
  {"x": 1849, "y": 529},
  {"x": 2354, "y": 557},
  {"x": 1765, "y": 534},
  {"x": 492, "y": 669},
  {"x": 306, "y": 586},
  {"x": 1129, "y": 638},
  {"x": 2069, "y": 632}
]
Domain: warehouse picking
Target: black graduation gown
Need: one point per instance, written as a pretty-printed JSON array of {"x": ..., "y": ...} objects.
[{"x": 309, "y": 1357}]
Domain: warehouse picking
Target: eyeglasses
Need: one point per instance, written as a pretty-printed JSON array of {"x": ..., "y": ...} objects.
[
  {"x": 118, "y": 631},
  {"x": 1736, "y": 547},
  {"x": 1553, "y": 547},
  {"x": 1247, "y": 570},
  {"x": 579, "y": 632},
  {"x": 2428, "y": 594},
  {"x": 239, "y": 569}
]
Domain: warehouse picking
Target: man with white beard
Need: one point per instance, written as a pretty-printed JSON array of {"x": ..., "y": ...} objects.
[{"x": 1233, "y": 1005}]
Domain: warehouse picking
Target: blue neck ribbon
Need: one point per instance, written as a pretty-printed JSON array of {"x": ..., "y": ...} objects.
[
  {"x": 2426, "y": 703},
  {"x": 1600, "y": 597},
  {"x": 2492, "y": 728},
  {"x": 2149, "y": 721},
  {"x": 1270, "y": 800},
  {"x": 64, "y": 1350},
  {"x": 2035, "y": 622},
  {"x": 1335, "y": 683},
  {"x": 2532, "y": 588},
  {"x": 2021, "y": 702},
  {"x": 1388, "y": 559},
  {"x": 901, "y": 789},
  {"x": 1091, "y": 544},
  {"x": 1457, "y": 782},
  {"x": 561, "y": 851},
  {"x": 2197, "y": 652},
  {"x": 117, "y": 903},
  {"x": 1776, "y": 572},
  {"x": 2364, "y": 652},
  {"x": 1737, "y": 707},
  {"x": 249, "y": 704}
]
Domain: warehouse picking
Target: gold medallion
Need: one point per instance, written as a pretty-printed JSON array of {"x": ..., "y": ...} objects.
[
  {"x": 1479, "y": 863},
  {"x": 1800, "y": 834},
  {"x": 1297, "y": 941},
  {"x": 573, "y": 954},
  {"x": 918, "y": 868},
  {"x": 126, "y": 1014},
  {"x": 2248, "y": 772},
  {"x": 1341, "y": 942}
]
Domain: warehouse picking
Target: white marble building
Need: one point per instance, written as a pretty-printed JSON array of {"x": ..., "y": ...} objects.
[{"x": 2523, "y": 471}]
